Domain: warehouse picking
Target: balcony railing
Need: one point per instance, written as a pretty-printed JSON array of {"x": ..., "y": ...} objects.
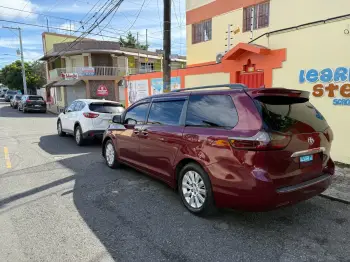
[{"x": 56, "y": 74}]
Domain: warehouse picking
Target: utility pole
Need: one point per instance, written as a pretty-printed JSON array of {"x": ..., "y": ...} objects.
[
  {"x": 167, "y": 45},
  {"x": 138, "y": 50},
  {"x": 47, "y": 24},
  {"x": 22, "y": 60}
]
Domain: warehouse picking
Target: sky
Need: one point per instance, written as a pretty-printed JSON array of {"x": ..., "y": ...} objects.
[{"x": 69, "y": 16}]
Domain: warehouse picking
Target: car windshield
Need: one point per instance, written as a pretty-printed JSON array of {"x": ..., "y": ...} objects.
[
  {"x": 18, "y": 97},
  {"x": 109, "y": 108},
  {"x": 11, "y": 92},
  {"x": 35, "y": 98}
]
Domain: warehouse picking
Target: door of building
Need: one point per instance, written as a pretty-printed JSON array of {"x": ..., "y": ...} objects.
[{"x": 252, "y": 79}]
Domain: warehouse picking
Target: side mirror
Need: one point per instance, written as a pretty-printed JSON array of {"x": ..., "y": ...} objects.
[{"x": 117, "y": 119}]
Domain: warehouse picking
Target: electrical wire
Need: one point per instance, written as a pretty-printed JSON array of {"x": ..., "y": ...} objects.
[{"x": 137, "y": 17}]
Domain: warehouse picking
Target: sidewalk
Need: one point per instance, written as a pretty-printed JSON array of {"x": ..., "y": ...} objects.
[{"x": 340, "y": 188}]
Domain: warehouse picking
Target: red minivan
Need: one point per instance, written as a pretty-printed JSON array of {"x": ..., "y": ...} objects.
[{"x": 227, "y": 146}]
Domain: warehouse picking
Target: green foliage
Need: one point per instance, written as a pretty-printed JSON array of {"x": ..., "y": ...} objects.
[
  {"x": 11, "y": 75},
  {"x": 131, "y": 42}
]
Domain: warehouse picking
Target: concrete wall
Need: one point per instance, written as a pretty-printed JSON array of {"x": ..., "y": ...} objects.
[
  {"x": 207, "y": 79},
  {"x": 75, "y": 92},
  {"x": 206, "y": 51},
  {"x": 192, "y": 4},
  {"x": 318, "y": 52},
  {"x": 308, "y": 11},
  {"x": 50, "y": 39}
]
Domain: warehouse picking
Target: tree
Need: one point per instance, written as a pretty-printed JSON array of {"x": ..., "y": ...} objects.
[
  {"x": 131, "y": 42},
  {"x": 11, "y": 75}
]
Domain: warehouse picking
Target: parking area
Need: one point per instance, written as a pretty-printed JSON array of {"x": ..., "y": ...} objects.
[{"x": 60, "y": 202}]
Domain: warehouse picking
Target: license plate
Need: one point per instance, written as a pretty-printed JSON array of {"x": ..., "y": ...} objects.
[
  {"x": 37, "y": 105},
  {"x": 304, "y": 159}
]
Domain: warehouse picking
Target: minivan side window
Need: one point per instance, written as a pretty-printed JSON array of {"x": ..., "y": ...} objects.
[
  {"x": 166, "y": 113},
  {"x": 136, "y": 115},
  {"x": 216, "y": 111}
]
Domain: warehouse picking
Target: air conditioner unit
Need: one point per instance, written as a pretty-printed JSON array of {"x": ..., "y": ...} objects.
[{"x": 219, "y": 57}]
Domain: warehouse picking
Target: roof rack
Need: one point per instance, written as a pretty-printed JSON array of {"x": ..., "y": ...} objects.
[{"x": 231, "y": 86}]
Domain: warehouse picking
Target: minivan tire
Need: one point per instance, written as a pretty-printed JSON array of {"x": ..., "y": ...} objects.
[
  {"x": 78, "y": 131},
  {"x": 114, "y": 163},
  {"x": 208, "y": 207}
]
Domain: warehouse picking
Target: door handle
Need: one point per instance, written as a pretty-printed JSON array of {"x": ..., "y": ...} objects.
[
  {"x": 136, "y": 132},
  {"x": 145, "y": 132}
]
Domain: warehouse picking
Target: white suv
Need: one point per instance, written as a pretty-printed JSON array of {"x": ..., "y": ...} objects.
[{"x": 87, "y": 118}]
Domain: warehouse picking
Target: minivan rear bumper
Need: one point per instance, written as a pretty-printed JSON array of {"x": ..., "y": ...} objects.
[{"x": 256, "y": 193}]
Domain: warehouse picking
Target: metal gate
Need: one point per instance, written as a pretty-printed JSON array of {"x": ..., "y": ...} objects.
[{"x": 252, "y": 79}]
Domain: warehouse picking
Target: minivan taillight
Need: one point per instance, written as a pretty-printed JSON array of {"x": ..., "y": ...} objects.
[
  {"x": 329, "y": 134},
  {"x": 262, "y": 141},
  {"x": 90, "y": 115}
]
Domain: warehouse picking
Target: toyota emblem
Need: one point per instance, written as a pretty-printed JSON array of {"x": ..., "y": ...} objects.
[{"x": 311, "y": 141}]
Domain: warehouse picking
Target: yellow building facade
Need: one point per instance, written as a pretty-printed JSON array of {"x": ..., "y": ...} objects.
[{"x": 294, "y": 44}]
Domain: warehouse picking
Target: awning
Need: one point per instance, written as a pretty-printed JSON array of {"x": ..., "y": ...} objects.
[
  {"x": 242, "y": 48},
  {"x": 49, "y": 84},
  {"x": 68, "y": 82}
]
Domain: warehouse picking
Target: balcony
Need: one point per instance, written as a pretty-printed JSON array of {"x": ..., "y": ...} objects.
[{"x": 86, "y": 72}]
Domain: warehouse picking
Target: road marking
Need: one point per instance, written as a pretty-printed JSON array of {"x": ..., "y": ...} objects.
[{"x": 7, "y": 157}]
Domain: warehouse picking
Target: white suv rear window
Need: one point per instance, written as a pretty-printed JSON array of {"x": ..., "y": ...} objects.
[{"x": 108, "y": 108}]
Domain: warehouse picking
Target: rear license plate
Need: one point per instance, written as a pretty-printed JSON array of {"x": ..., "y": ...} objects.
[
  {"x": 37, "y": 105},
  {"x": 304, "y": 159}
]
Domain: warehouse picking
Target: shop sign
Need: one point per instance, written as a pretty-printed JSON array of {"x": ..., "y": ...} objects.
[
  {"x": 85, "y": 71},
  {"x": 102, "y": 90},
  {"x": 69, "y": 76},
  {"x": 330, "y": 82}
]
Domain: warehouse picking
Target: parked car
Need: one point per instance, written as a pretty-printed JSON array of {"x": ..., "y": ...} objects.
[
  {"x": 15, "y": 100},
  {"x": 87, "y": 118},
  {"x": 32, "y": 103},
  {"x": 227, "y": 146},
  {"x": 3, "y": 90},
  {"x": 9, "y": 94}
]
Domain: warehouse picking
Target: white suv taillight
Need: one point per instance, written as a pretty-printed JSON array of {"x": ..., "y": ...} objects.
[
  {"x": 261, "y": 141},
  {"x": 90, "y": 115}
]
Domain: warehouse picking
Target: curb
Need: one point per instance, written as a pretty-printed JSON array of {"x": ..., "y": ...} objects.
[{"x": 335, "y": 199}]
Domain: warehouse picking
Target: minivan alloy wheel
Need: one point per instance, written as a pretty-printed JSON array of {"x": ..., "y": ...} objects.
[
  {"x": 109, "y": 153},
  {"x": 193, "y": 189}
]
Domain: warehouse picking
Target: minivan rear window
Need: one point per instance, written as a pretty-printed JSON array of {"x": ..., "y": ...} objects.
[
  {"x": 108, "y": 108},
  {"x": 35, "y": 98},
  {"x": 291, "y": 117}
]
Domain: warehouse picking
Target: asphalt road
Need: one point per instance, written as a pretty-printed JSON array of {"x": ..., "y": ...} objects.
[{"x": 59, "y": 202}]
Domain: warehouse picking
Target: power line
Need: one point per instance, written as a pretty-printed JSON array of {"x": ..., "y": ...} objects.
[{"x": 144, "y": 1}]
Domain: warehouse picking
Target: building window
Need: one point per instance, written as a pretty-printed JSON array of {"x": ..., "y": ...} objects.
[
  {"x": 261, "y": 16},
  {"x": 146, "y": 67},
  {"x": 201, "y": 32}
]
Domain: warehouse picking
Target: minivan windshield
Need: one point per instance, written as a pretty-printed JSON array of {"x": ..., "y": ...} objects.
[
  {"x": 109, "y": 108},
  {"x": 299, "y": 117}
]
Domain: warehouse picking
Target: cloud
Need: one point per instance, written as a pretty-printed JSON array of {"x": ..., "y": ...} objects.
[
  {"x": 24, "y": 5},
  {"x": 31, "y": 55}
]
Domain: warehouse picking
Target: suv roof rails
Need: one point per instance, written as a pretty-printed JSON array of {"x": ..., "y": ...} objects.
[{"x": 231, "y": 86}]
